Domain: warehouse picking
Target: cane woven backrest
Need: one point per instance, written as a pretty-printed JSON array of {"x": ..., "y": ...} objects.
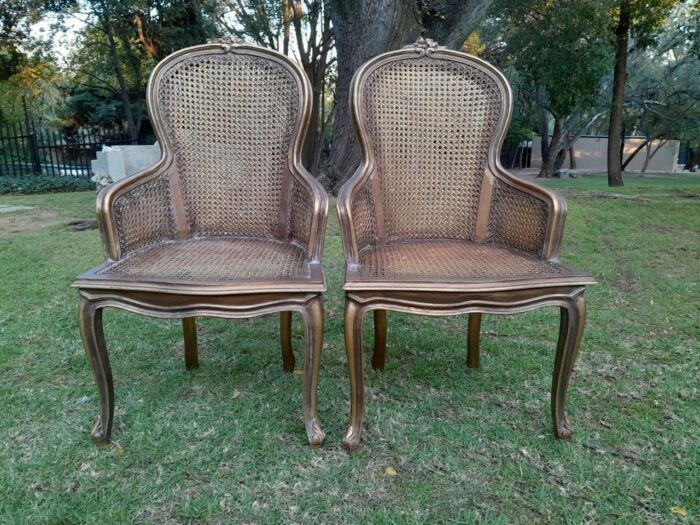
[
  {"x": 427, "y": 121},
  {"x": 229, "y": 117}
]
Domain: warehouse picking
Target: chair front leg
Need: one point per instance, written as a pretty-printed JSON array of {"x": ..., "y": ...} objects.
[
  {"x": 474, "y": 329},
  {"x": 380, "y": 329},
  {"x": 90, "y": 322},
  {"x": 312, "y": 360},
  {"x": 572, "y": 321},
  {"x": 353, "y": 347},
  {"x": 189, "y": 328},
  {"x": 286, "y": 341}
]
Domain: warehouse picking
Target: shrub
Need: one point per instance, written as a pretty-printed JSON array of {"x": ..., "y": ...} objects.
[{"x": 44, "y": 184}]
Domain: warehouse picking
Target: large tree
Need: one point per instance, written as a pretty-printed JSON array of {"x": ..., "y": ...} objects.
[
  {"x": 561, "y": 51},
  {"x": 662, "y": 99},
  {"x": 365, "y": 28},
  {"x": 637, "y": 23}
]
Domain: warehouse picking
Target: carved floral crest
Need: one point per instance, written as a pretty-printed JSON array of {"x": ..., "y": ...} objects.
[
  {"x": 424, "y": 46},
  {"x": 227, "y": 42}
]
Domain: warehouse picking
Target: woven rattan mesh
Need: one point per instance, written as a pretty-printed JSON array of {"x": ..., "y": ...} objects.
[
  {"x": 363, "y": 214},
  {"x": 430, "y": 122},
  {"x": 301, "y": 209},
  {"x": 450, "y": 260},
  {"x": 144, "y": 215},
  {"x": 230, "y": 119},
  {"x": 516, "y": 218},
  {"x": 215, "y": 260}
]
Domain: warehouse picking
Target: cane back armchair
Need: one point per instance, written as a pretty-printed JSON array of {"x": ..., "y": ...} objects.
[
  {"x": 431, "y": 222},
  {"x": 227, "y": 224}
]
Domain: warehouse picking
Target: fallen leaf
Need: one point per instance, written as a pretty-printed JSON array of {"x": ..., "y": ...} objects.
[
  {"x": 679, "y": 511},
  {"x": 390, "y": 471}
]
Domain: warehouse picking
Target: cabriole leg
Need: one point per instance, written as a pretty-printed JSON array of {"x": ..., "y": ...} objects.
[
  {"x": 286, "y": 341},
  {"x": 473, "y": 333},
  {"x": 380, "y": 329},
  {"x": 90, "y": 322},
  {"x": 189, "y": 328},
  {"x": 573, "y": 319},
  {"x": 312, "y": 361},
  {"x": 353, "y": 347}
]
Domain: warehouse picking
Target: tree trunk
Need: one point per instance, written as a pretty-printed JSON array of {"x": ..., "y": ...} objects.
[
  {"x": 106, "y": 23},
  {"x": 650, "y": 153},
  {"x": 618, "y": 98},
  {"x": 635, "y": 152},
  {"x": 365, "y": 28},
  {"x": 554, "y": 158},
  {"x": 572, "y": 158}
]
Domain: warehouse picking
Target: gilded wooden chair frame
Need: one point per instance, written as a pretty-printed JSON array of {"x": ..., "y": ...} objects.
[
  {"x": 227, "y": 299},
  {"x": 432, "y": 298}
]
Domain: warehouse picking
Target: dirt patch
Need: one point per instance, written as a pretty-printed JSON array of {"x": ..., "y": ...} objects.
[{"x": 13, "y": 223}]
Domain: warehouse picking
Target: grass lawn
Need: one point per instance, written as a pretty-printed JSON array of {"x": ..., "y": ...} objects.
[{"x": 225, "y": 442}]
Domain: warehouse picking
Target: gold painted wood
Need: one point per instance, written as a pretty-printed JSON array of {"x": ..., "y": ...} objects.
[
  {"x": 286, "y": 341},
  {"x": 473, "y": 335},
  {"x": 228, "y": 223},
  {"x": 189, "y": 327},
  {"x": 431, "y": 222},
  {"x": 380, "y": 330}
]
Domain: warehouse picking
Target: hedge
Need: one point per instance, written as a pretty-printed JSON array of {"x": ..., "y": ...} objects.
[{"x": 44, "y": 184}]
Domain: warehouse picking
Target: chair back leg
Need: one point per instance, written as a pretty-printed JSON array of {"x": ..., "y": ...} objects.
[
  {"x": 473, "y": 334},
  {"x": 572, "y": 321},
  {"x": 90, "y": 323},
  {"x": 286, "y": 341},
  {"x": 189, "y": 328},
  {"x": 380, "y": 329}
]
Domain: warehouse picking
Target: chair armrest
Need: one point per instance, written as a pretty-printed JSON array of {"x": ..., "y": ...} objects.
[
  {"x": 525, "y": 216},
  {"x": 308, "y": 213},
  {"x": 136, "y": 211},
  {"x": 357, "y": 215}
]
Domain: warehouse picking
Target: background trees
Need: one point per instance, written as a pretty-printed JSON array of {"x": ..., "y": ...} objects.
[
  {"x": 566, "y": 60},
  {"x": 561, "y": 52},
  {"x": 639, "y": 20}
]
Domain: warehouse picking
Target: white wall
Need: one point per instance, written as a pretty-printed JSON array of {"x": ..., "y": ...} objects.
[{"x": 591, "y": 153}]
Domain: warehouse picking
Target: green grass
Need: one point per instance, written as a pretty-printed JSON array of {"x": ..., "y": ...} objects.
[{"x": 225, "y": 443}]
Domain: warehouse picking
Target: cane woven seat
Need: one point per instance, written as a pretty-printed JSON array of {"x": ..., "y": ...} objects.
[
  {"x": 217, "y": 264},
  {"x": 432, "y": 264}
]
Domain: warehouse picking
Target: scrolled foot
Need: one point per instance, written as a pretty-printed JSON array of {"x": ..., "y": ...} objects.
[
  {"x": 99, "y": 434},
  {"x": 314, "y": 433},
  {"x": 563, "y": 429},
  {"x": 352, "y": 439}
]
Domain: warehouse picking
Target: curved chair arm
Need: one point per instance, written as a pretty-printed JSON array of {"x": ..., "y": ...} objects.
[
  {"x": 308, "y": 212},
  {"x": 136, "y": 211},
  {"x": 357, "y": 214},
  {"x": 525, "y": 216}
]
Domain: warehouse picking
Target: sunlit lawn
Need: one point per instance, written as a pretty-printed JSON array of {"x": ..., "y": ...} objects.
[{"x": 225, "y": 443}]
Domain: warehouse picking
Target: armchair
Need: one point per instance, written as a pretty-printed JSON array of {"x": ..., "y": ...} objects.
[
  {"x": 431, "y": 222},
  {"x": 228, "y": 223}
]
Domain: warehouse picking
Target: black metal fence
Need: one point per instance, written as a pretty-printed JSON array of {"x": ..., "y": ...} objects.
[{"x": 27, "y": 150}]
